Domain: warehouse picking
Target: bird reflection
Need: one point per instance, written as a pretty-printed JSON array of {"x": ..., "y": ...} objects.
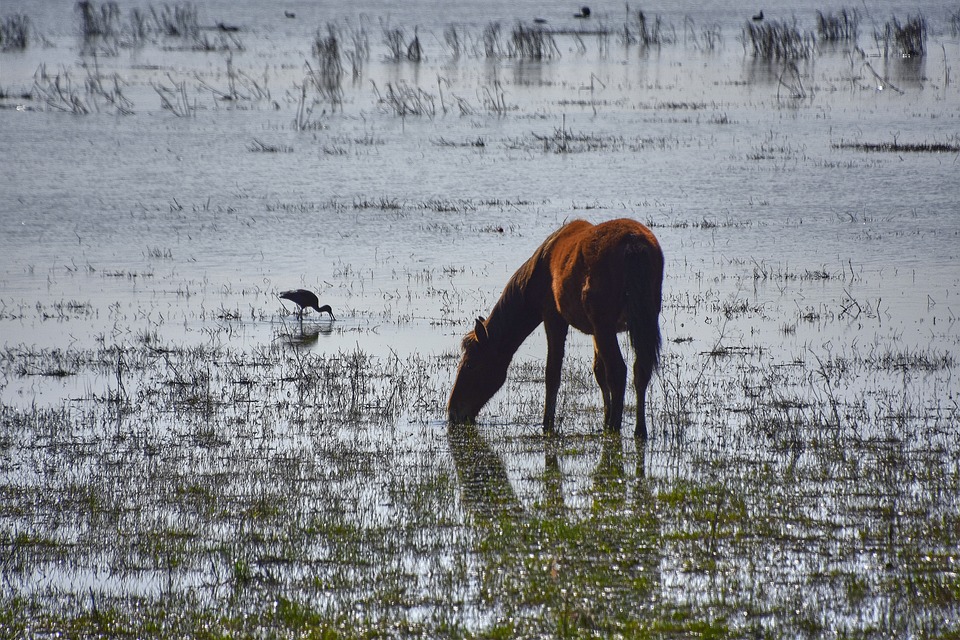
[{"x": 306, "y": 337}]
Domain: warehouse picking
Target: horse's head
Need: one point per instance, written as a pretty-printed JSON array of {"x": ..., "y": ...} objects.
[{"x": 482, "y": 371}]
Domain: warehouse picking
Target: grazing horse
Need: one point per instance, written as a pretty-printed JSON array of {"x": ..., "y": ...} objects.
[{"x": 601, "y": 279}]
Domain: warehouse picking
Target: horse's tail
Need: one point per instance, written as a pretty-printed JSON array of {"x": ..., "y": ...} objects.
[{"x": 644, "y": 282}]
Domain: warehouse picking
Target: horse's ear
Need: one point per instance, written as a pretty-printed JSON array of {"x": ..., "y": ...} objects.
[{"x": 480, "y": 330}]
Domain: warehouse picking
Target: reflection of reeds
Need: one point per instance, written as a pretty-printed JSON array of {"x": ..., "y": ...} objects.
[
  {"x": 532, "y": 43},
  {"x": 455, "y": 40},
  {"x": 393, "y": 39},
  {"x": 833, "y": 27},
  {"x": 359, "y": 52},
  {"x": 775, "y": 40},
  {"x": 329, "y": 71},
  {"x": 397, "y": 47},
  {"x": 14, "y": 32},
  {"x": 98, "y": 22},
  {"x": 102, "y": 29},
  {"x": 177, "y": 21},
  {"x": 414, "y": 49},
  {"x": 654, "y": 33},
  {"x": 492, "y": 47},
  {"x": 909, "y": 39}
]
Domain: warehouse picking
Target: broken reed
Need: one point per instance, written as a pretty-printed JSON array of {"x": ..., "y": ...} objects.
[{"x": 776, "y": 40}]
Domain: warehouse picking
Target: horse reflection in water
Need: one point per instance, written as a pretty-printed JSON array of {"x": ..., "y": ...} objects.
[
  {"x": 488, "y": 494},
  {"x": 615, "y": 534},
  {"x": 601, "y": 279},
  {"x": 485, "y": 487}
]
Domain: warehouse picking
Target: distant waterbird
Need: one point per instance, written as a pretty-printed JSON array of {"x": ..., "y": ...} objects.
[
  {"x": 306, "y": 299},
  {"x": 758, "y": 17}
]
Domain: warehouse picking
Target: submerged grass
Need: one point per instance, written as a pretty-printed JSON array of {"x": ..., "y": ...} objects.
[
  {"x": 900, "y": 147},
  {"x": 275, "y": 491}
]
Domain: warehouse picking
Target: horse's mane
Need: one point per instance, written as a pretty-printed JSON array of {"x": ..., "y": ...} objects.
[{"x": 513, "y": 310}]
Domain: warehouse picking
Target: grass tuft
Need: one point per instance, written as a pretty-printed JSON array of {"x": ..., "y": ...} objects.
[{"x": 776, "y": 40}]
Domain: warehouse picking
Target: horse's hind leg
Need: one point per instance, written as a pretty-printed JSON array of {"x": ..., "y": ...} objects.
[
  {"x": 599, "y": 372},
  {"x": 641, "y": 378},
  {"x": 611, "y": 374}
]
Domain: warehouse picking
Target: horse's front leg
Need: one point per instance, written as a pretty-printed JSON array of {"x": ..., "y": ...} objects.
[
  {"x": 556, "y": 329},
  {"x": 611, "y": 373}
]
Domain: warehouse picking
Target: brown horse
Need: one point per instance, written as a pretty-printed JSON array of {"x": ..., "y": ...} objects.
[{"x": 601, "y": 279}]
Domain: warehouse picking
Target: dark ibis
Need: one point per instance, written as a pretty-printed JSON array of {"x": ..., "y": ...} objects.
[
  {"x": 758, "y": 17},
  {"x": 306, "y": 300}
]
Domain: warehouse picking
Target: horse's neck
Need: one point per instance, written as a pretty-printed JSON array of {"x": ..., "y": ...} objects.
[
  {"x": 517, "y": 313},
  {"x": 513, "y": 332}
]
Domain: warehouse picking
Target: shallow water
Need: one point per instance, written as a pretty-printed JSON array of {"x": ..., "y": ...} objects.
[
  {"x": 789, "y": 258},
  {"x": 136, "y": 210},
  {"x": 182, "y": 230}
]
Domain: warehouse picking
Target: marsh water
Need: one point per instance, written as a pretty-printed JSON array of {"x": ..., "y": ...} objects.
[{"x": 157, "y": 195}]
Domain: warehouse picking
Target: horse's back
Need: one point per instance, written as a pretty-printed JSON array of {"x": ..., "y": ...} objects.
[
  {"x": 598, "y": 241},
  {"x": 588, "y": 265}
]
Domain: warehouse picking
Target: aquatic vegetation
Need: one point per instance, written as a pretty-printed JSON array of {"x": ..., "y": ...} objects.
[
  {"x": 901, "y": 147},
  {"x": 274, "y": 488}
]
